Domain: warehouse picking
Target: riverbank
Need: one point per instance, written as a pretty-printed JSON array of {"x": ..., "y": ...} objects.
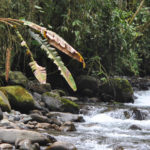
[{"x": 74, "y": 122}]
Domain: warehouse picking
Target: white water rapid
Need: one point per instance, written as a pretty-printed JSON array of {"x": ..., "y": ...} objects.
[{"x": 125, "y": 127}]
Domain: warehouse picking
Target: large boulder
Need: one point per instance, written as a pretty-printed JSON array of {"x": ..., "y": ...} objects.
[
  {"x": 117, "y": 89},
  {"x": 4, "y": 103},
  {"x": 12, "y": 135},
  {"x": 19, "y": 98},
  {"x": 56, "y": 103},
  {"x": 87, "y": 85}
]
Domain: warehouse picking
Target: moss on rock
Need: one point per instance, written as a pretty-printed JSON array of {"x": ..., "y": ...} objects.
[
  {"x": 4, "y": 103},
  {"x": 67, "y": 105},
  {"x": 117, "y": 89},
  {"x": 19, "y": 98}
]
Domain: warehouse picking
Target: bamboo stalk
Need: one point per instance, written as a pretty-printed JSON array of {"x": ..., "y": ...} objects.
[{"x": 137, "y": 11}]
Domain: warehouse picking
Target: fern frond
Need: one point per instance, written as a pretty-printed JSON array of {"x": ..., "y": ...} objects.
[
  {"x": 7, "y": 63},
  {"x": 56, "y": 41},
  {"x": 52, "y": 54}
]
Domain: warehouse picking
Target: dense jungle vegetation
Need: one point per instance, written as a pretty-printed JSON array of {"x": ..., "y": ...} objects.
[{"x": 113, "y": 36}]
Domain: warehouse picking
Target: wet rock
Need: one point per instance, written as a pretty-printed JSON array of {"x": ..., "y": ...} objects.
[
  {"x": 43, "y": 125},
  {"x": 52, "y": 103},
  {"x": 67, "y": 126},
  {"x": 26, "y": 145},
  {"x": 35, "y": 86},
  {"x": 69, "y": 106},
  {"x": 134, "y": 127},
  {"x": 12, "y": 135},
  {"x": 137, "y": 114},
  {"x": 6, "y": 146},
  {"x": 56, "y": 103},
  {"x": 39, "y": 118},
  {"x": 118, "y": 148},
  {"x": 139, "y": 83},
  {"x": 5, "y": 123},
  {"x": 87, "y": 85},
  {"x": 4, "y": 103},
  {"x": 65, "y": 117},
  {"x": 37, "y": 96},
  {"x": 117, "y": 89},
  {"x": 127, "y": 114},
  {"x": 1, "y": 114},
  {"x": 61, "y": 146},
  {"x": 19, "y": 98}
]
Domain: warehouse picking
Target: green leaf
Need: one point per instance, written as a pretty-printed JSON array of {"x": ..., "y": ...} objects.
[
  {"x": 39, "y": 72},
  {"x": 52, "y": 54}
]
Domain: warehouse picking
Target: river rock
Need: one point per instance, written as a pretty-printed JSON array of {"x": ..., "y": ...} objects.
[
  {"x": 19, "y": 98},
  {"x": 61, "y": 146},
  {"x": 1, "y": 114},
  {"x": 16, "y": 78},
  {"x": 56, "y": 103},
  {"x": 67, "y": 126},
  {"x": 26, "y": 145},
  {"x": 43, "y": 125},
  {"x": 4, "y": 103},
  {"x": 117, "y": 89},
  {"x": 6, "y": 146},
  {"x": 35, "y": 86},
  {"x": 52, "y": 103},
  {"x": 39, "y": 118},
  {"x": 87, "y": 85},
  {"x": 134, "y": 127},
  {"x": 137, "y": 114},
  {"x": 139, "y": 83},
  {"x": 65, "y": 117},
  {"x": 12, "y": 135}
]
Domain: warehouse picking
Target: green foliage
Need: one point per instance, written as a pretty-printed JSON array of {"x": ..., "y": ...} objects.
[{"x": 99, "y": 28}]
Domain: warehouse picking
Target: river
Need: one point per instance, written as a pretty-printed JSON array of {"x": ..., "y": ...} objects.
[{"x": 114, "y": 127}]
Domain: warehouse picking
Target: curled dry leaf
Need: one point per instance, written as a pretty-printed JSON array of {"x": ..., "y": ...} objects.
[{"x": 56, "y": 41}]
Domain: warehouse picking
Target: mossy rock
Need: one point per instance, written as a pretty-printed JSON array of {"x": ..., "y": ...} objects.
[
  {"x": 16, "y": 78},
  {"x": 64, "y": 104},
  {"x": 117, "y": 89},
  {"x": 4, "y": 103},
  {"x": 19, "y": 98},
  {"x": 69, "y": 106}
]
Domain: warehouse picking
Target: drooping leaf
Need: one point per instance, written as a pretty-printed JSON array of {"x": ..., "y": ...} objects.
[
  {"x": 52, "y": 54},
  {"x": 39, "y": 72},
  {"x": 56, "y": 41}
]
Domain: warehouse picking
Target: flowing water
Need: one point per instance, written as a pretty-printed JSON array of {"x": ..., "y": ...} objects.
[{"x": 125, "y": 127}]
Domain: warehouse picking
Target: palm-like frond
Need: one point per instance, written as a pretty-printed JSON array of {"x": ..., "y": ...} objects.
[
  {"x": 56, "y": 41},
  {"x": 52, "y": 54}
]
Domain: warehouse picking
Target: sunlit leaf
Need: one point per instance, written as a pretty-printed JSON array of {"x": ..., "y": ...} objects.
[{"x": 39, "y": 72}]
